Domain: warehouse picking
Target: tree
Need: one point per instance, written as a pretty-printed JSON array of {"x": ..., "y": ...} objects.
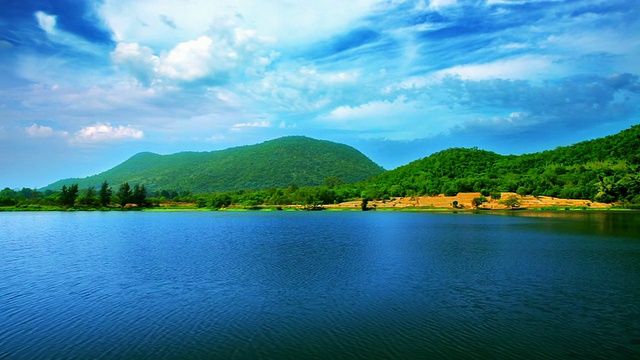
[
  {"x": 124, "y": 194},
  {"x": 333, "y": 181},
  {"x": 451, "y": 191},
  {"x": 292, "y": 189},
  {"x": 105, "y": 194},
  {"x": 511, "y": 201},
  {"x": 139, "y": 196},
  {"x": 69, "y": 195},
  {"x": 479, "y": 200},
  {"x": 220, "y": 200},
  {"x": 89, "y": 199},
  {"x": 364, "y": 204},
  {"x": 29, "y": 194},
  {"x": 7, "y": 197}
]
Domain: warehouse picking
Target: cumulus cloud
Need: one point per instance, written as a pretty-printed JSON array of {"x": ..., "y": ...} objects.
[
  {"x": 196, "y": 59},
  {"x": 215, "y": 59},
  {"x": 138, "y": 59},
  {"x": 105, "y": 132},
  {"x": 41, "y": 131}
]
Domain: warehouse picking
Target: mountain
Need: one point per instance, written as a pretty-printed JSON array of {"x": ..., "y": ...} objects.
[
  {"x": 278, "y": 163},
  {"x": 605, "y": 169}
]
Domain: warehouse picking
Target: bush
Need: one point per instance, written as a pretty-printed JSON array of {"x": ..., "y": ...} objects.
[
  {"x": 451, "y": 192},
  {"x": 511, "y": 201},
  {"x": 6, "y": 201},
  {"x": 479, "y": 201}
]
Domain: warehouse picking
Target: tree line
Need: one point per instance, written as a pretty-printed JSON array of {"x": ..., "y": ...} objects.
[
  {"x": 604, "y": 182},
  {"x": 71, "y": 197}
]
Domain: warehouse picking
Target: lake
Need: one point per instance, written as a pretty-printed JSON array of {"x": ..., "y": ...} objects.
[{"x": 319, "y": 285}]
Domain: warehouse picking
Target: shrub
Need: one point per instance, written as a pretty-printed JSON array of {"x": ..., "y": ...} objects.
[
  {"x": 479, "y": 201},
  {"x": 511, "y": 201}
]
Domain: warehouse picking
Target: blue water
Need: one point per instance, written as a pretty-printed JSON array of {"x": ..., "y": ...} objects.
[{"x": 319, "y": 285}]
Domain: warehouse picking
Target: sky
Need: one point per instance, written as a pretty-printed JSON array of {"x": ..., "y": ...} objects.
[{"x": 84, "y": 85}]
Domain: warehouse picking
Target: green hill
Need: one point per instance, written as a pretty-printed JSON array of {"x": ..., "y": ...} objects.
[
  {"x": 277, "y": 163},
  {"x": 604, "y": 169}
]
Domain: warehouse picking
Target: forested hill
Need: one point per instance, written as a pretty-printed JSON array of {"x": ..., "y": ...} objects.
[
  {"x": 604, "y": 169},
  {"x": 277, "y": 163}
]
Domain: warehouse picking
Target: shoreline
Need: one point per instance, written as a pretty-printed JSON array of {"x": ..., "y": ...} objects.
[{"x": 462, "y": 202}]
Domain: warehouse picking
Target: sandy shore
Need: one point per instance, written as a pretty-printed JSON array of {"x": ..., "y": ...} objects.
[{"x": 465, "y": 201}]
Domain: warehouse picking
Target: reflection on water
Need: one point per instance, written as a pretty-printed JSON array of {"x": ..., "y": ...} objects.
[
  {"x": 599, "y": 223},
  {"x": 321, "y": 285}
]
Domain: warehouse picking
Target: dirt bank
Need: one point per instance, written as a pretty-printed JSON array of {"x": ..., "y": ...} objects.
[{"x": 465, "y": 201}]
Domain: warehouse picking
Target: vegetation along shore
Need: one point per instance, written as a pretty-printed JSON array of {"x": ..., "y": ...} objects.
[{"x": 303, "y": 173}]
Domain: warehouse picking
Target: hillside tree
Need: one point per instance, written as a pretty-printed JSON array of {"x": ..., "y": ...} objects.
[
  {"x": 68, "y": 195},
  {"x": 124, "y": 194},
  {"x": 139, "y": 196},
  {"x": 105, "y": 194},
  {"x": 89, "y": 198}
]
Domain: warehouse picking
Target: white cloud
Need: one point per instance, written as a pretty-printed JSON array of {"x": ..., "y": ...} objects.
[
  {"x": 368, "y": 110},
  {"x": 104, "y": 132},
  {"x": 399, "y": 119},
  {"x": 303, "y": 88},
  {"x": 284, "y": 125},
  {"x": 516, "y": 2},
  {"x": 257, "y": 124},
  {"x": 140, "y": 61},
  {"x": 437, "y": 4},
  {"x": 231, "y": 51},
  {"x": 41, "y": 131},
  {"x": 284, "y": 20},
  {"x": 515, "y": 121},
  {"x": 519, "y": 68},
  {"x": 215, "y": 138},
  {"x": 193, "y": 59},
  {"x": 48, "y": 23},
  {"x": 514, "y": 46}
]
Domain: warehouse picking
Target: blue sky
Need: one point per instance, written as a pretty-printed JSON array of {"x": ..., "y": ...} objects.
[{"x": 84, "y": 85}]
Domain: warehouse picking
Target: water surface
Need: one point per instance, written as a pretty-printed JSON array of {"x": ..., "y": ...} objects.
[{"x": 319, "y": 284}]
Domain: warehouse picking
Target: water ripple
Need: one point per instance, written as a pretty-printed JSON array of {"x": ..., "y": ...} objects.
[{"x": 321, "y": 285}]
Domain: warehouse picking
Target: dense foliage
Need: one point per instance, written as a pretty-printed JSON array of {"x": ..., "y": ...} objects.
[
  {"x": 69, "y": 197},
  {"x": 605, "y": 169},
  {"x": 277, "y": 163}
]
